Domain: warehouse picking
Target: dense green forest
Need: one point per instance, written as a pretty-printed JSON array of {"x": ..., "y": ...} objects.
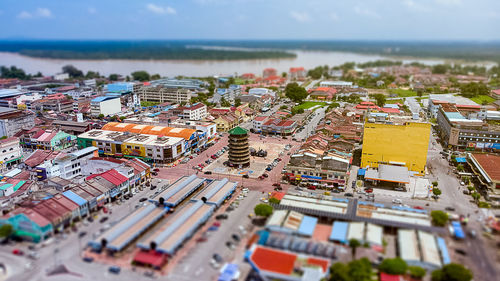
[
  {"x": 262, "y": 49},
  {"x": 141, "y": 50}
]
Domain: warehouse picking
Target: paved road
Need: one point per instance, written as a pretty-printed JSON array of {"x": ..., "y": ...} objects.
[
  {"x": 310, "y": 127},
  {"x": 195, "y": 265}
]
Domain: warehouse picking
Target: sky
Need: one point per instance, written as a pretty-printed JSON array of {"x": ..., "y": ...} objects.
[{"x": 251, "y": 19}]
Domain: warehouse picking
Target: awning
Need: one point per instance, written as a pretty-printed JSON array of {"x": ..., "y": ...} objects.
[{"x": 361, "y": 172}]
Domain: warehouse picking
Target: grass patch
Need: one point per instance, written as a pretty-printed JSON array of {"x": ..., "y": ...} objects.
[
  {"x": 482, "y": 99},
  {"x": 403, "y": 93},
  {"x": 239, "y": 81},
  {"x": 308, "y": 104},
  {"x": 149, "y": 103},
  {"x": 401, "y": 101}
]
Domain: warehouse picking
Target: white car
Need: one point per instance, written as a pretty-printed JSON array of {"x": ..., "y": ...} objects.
[{"x": 397, "y": 201}]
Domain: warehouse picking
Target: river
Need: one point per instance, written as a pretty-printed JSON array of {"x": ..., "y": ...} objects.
[{"x": 197, "y": 68}]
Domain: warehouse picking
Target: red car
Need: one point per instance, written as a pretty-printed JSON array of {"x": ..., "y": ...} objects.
[
  {"x": 201, "y": 239},
  {"x": 261, "y": 177},
  {"x": 216, "y": 224},
  {"x": 17, "y": 252},
  {"x": 311, "y": 187},
  {"x": 369, "y": 190},
  {"x": 156, "y": 170},
  {"x": 418, "y": 207},
  {"x": 276, "y": 184}
]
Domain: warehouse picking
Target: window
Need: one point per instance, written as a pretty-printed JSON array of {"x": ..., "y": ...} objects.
[
  {"x": 129, "y": 147},
  {"x": 4, "y": 151},
  {"x": 136, "y": 147}
]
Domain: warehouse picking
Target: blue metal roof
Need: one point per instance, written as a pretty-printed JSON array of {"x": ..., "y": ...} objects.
[
  {"x": 444, "y": 250},
  {"x": 461, "y": 160},
  {"x": 229, "y": 272},
  {"x": 339, "y": 231},
  {"x": 103, "y": 98},
  {"x": 74, "y": 197},
  {"x": 307, "y": 225},
  {"x": 361, "y": 172},
  {"x": 457, "y": 229},
  {"x": 454, "y": 115}
]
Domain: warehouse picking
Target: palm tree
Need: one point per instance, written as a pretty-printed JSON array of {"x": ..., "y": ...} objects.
[{"x": 354, "y": 244}]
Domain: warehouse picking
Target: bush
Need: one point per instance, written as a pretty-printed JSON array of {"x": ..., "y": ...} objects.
[
  {"x": 439, "y": 218},
  {"x": 436, "y": 191},
  {"x": 395, "y": 266},
  {"x": 452, "y": 272},
  {"x": 416, "y": 272},
  {"x": 435, "y": 183},
  {"x": 263, "y": 210},
  {"x": 274, "y": 200},
  {"x": 483, "y": 204},
  {"x": 6, "y": 230}
]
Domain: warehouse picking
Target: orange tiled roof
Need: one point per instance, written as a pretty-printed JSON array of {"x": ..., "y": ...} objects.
[{"x": 150, "y": 130}]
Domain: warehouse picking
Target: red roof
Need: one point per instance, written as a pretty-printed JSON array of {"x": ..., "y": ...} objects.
[
  {"x": 390, "y": 110},
  {"x": 150, "y": 258},
  {"x": 32, "y": 215},
  {"x": 260, "y": 118},
  {"x": 489, "y": 163},
  {"x": 389, "y": 277},
  {"x": 113, "y": 176},
  {"x": 496, "y": 92},
  {"x": 273, "y": 260},
  {"x": 321, "y": 262},
  {"x": 277, "y": 195},
  {"x": 296, "y": 69}
]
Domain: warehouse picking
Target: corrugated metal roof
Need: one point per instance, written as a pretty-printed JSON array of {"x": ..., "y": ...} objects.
[
  {"x": 74, "y": 197},
  {"x": 339, "y": 231}
]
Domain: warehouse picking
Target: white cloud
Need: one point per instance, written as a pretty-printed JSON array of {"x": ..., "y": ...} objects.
[
  {"x": 43, "y": 13},
  {"x": 334, "y": 16},
  {"x": 38, "y": 13},
  {"x": 24, "y": 15},
  {"x": 300, "y": 17},
  {"x": 449, "y": 2},
  {"x": 415, "y": 6},
  {"x": 160, "y": 10},
  {"x": 365, "y": 12},
  {"x": 92, "y": 10}
]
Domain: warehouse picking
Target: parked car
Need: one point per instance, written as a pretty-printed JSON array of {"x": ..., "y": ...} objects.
[
  {"x": 221, "y": 217},
  {"x": 369, "y": 190},
  {"x": 208, "y": 173},
  {"x": 276, "y": 184},
  {"x": 246, "y": 176},
  {"x": 397, "y": 201},
  {"x": 348, "y": 194},
  {"x": 143, "y": 199},
  {"x": 451, "y": 209},
  {"x": 115, "y": 269},
  {"x": 88, "y": 259},
  {"x": 17, "y": 252},
  {"x": 461, "y": 252},
  {"x": 156, "y": 169},
  {"x": 236, "y": 237},
  {"x": 81, "y": 234},
  {"x": 216, "y": 224},
  {"x": 103, "y": 219}
]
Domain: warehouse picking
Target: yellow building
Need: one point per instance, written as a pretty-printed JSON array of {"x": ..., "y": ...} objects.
[{"x": 404, "y": 145}]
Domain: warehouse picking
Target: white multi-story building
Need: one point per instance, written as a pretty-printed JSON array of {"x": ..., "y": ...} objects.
[
  {"x": 10, "y": 153},
  {"x": 194, "y": 112},
  {"x": 164, "y": 94},
  {"x": 257, "y": 123},
  {"x": 106, "y": 105}
]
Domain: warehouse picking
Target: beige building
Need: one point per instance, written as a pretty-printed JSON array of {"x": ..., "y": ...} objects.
[{"x": 163, "y": 94}]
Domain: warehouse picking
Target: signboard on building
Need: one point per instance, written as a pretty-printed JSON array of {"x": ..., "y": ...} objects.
[
  {"x": 79, "y": 117},
  {"x": 454, "y": 133}
]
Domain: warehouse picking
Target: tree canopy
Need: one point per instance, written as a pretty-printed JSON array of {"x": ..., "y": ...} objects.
[
  {"x": 357, "y": 270},
  {"x": 416, "y": 272},
  {"x": 439, "y": 218},
  {"x": 6, "y": 230},
  {"x": 140, "y": 75},
  {"x": 295, "y": 92},
  {"x": 72, "y": 71},
  {"x": 354, "y": 244},
  {"x": 379, "y": 99},
  {"x": 472, "y": 89},
  {"x": 263, "y": 210},
  {"x": 396, "y": 266},
  {"x": 13, "y": 72},
  {"x": 452, "y": 272},
  {"x": 436, "y": 191}
]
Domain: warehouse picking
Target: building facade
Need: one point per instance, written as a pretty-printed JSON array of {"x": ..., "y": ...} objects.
[
  {"x": 13, "y": 120},
  {"x": 162, "y": 94},
  {"x": 106, "y": 105},
  {"x": 239, "y": 150},
  {"x": 10, "y": 153}
]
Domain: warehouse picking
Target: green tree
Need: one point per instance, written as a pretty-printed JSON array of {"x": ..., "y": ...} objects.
[
  {"x": 296, "y": 93},
  {"x": 263, "y": 210},
  {"x": 360, "y": 270},
  {"x": 101, "y": 116},
  {"x": 435, "y": 183},
  {"x": 13, "y": 72},
  {"x": 224, "y": 102},
  {"x": 416, "y": 272},
  {"x": 380, "y": 99},
  {"x": 237, "y": 102},
  {"x": 72, "y": 71},
  {"x": 122, "y": 118},
  {"x": 460, "y": 167},
  {"x": 452, "y": 272},
  {"x": 6, "y": 230},
  {"x": 472, "y": 89},
  {"x": 354, "y": 244},
  {"x": 476, "y": 196},
  {"x": 436, "y": 191},
  {"x": 440, "y": 69},
  {"x": 439, "y": 218},
  {"x": 396, "y": 266},
  {"x": 284, "y": 74},
  {"x": 283, "y": 107},
  {"x": 92, "y": 74},
  {"x": 339, "y": 272},
  {"x": 140, "y": 75},
  {"x": 274, "y": 200},
  {"x": 113, "y": 77},
  {"x": 155, "y": 76}
]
